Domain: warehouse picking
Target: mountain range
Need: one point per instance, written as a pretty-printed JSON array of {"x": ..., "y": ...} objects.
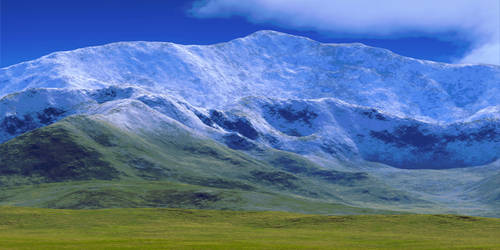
[{"x": 270, "y": 121}]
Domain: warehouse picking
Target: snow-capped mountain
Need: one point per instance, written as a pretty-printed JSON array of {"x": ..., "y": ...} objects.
[
  {"x": 428, "y": 128},
  {"x": 273, "y": 65},
  {"x": 343, "y": 102}
]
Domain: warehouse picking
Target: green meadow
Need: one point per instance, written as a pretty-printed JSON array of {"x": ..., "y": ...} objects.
[{"x": 155, "y": 228}]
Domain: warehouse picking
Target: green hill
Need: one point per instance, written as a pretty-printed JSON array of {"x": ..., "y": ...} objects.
[{"x": 85, "y": 162}]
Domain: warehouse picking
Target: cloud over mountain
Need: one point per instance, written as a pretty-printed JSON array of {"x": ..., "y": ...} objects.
[{"x": 476, "y": 21}]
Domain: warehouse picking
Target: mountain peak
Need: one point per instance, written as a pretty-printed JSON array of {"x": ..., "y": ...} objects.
[
  {"x": 273, "y": 64},
  {"x": 273, "y": 33},
  {"x": 269, "y": 33}
]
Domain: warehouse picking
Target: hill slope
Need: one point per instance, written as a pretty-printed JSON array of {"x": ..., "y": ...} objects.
[{"x": 81, "y": 148}]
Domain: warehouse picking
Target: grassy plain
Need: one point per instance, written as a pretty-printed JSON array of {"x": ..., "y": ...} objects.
[{"x": 154, "y": 228}]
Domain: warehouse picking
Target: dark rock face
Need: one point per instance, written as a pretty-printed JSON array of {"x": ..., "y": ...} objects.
[
  {"x": 291, "y": 121},
  {"x": 111, "y": 93},
  {"x": 415, "y": 147},
  {"x": 488, "y": 132},
  {"x": 407, "y": 136},
  {"x": 15, "y": 125},
  {"x": 235, "y": 141},
  {"x": 289, "y": 114},
  {"x": 302, "y": 115},
  {"x": 205, "y": 119},
  {"x": 234, "y": 124},
  {"x": 374, "y": 114},
  {"x": 49, "y": 115},
  {"x": 275, "y": 142}
]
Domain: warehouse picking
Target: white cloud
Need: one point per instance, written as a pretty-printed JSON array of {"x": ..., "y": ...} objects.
[
  {"x": 487, "y": 53},
  {"x": 476, "y": 20}
]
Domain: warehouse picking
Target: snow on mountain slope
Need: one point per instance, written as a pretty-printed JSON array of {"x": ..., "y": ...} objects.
[
  {"x": 327, "y": 127},
  {"x": 24, "y": 111},
  {"x": 345, "y": 102},
  {"x": 274, "y": 65},
  {"x": 335, "y": 129}
]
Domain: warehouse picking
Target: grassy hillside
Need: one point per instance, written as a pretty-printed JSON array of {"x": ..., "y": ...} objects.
[
  {"x": 489, "y": 190},
  {"x": 27, "y": 228},
  {"x": 123, "y": 169},
  {"x": 120, "y": 194}
]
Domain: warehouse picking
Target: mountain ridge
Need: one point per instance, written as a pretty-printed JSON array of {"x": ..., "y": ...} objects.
[
  {"x": 216, "y": 68},
  {"x": 349, "y": 108},
  {"x": 256, "y": 33}
]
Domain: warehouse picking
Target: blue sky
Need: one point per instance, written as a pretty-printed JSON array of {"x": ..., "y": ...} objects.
[{"x": 33, "y": 28}]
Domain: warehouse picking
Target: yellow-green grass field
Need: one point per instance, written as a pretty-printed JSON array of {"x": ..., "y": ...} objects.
[{"x": 151, "y": 228}]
